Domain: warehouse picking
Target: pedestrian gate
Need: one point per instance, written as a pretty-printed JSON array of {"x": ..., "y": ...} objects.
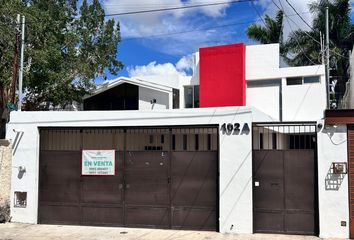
[
  {"x": 164, "y": 178},
  {"x": 284, "y": 178}
]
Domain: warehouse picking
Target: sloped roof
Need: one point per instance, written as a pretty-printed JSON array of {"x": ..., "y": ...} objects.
[{"x": 164, "y": 86}]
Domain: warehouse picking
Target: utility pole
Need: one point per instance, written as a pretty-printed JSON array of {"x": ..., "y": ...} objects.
[
  {"x": 20, "y": 78},
  {"x": 322, "y": 49},
  {"x": 327, "y": 60},
  {"x": 14, "y": 64}
]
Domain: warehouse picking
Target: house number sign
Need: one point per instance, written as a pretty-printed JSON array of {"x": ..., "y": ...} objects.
[
  {"x": 98, "y": 162},
  {"x": 235, "y": 128}
]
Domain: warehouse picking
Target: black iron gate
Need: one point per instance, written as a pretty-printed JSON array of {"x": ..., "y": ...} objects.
[
  {"x": 165, "y": 178},
  {"x": 284, "y": 178}
]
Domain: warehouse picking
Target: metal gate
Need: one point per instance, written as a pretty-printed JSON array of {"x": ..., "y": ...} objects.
[
  {"x": 284, "y": 178},
  {"x": 164, "y": 178}
]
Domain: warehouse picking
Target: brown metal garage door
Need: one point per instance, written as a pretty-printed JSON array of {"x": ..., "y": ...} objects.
[
  {"x": 165, "y": 178},
  {"x": 284, "y": 191},
  {"x": 284, "y": 179}
]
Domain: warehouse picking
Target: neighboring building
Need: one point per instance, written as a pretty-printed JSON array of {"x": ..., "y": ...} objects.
[
  {"x": 285, "y": 94},
  {"x": 245, "y": 151},
  {"x": 131, "y": 94},
  {"x": 348, "y": 98}
]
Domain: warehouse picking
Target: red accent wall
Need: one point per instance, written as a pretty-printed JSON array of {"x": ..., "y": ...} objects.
[{"x": 222, "y": 76}]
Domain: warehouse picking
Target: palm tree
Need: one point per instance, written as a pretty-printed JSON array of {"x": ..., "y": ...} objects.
[
  {"x": 271, "y": 32},
  {"x": 305, "y": 48}
]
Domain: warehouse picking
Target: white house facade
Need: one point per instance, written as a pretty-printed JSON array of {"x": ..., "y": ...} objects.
[{"x": 239, "y": 147}]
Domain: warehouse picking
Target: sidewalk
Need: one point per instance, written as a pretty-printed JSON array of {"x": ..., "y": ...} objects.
[{"x": 16, "y": 231}]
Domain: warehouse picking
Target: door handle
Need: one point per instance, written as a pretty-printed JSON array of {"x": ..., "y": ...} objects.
[
  {"x": 120, "y": 186},
  {"x": 127, "y": 186}
]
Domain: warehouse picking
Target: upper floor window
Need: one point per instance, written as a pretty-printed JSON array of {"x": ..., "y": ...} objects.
[
  {"x": 302, "y": 80},
  {"x": 294, "y": 81},
  {"x": 175, "y": 99},
  {"x": 312, "y": 79},
  {"x": 191, "y": 96}
]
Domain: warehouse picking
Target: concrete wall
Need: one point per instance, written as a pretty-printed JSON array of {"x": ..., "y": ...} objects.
[
  {"x": 147, "y": 94},
  {"x": 235, "y": 153},
  {"x": 261, "y": 58},
  {"x": 333, "y": 188},
  {"x": 5, "y": 171},
  {"x": 305, "y": 102},
  {"x": 266, "y": 96}
]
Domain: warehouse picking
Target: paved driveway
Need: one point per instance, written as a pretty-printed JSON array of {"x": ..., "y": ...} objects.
[{"x": 16, "y": 231}]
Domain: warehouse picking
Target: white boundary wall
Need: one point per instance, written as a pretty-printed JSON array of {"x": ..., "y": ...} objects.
[
  {"x": 235, "y": 153},
  {"x": 333, "y": 189},
  {"x": 236, "y": 209}
]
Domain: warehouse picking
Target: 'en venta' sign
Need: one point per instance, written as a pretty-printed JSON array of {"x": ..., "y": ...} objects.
[{"x": 98, "y": 162}]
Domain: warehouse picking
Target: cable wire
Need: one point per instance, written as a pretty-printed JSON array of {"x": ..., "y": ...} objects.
[
  {"x": 177, "y": 8},
  {"x": 309, "y": 27},
  {"x": 259, "y": 15},
  {"x": 299, "y": 45},
  {"x": 299, "y": 15}
]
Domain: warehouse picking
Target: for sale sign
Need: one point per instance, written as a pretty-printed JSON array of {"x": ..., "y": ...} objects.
[{"x": 98, "y": 162}]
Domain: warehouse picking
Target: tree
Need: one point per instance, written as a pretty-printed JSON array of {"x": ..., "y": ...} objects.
[
  {"x": 272, "y": 32},
  {"x": 305, "y": 47},
  {"x": 66, "y": 49}
]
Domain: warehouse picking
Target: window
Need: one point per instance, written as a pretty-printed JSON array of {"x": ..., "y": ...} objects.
[
  {"x": 312, "y": 79},
  {"x": 302, "y": 80},
  {"x": 175, "y": 99},
  {"x": 196, "y": 96},
  {"x": 191, "y": 96},
  {"x": 294, "y": 81}
]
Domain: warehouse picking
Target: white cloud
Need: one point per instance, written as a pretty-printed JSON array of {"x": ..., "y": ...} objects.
[
  {"x": 154, "y": 69},
  {"x": 182, "y": 68},
  {"x": 185, "y": 63},
  {"x": 165, "y": 23}
]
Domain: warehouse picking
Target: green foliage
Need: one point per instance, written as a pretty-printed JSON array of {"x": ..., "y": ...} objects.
[
  {"x": 272, "y": 32},
  {"x": 66, "y": 49},
  {"x": 341, "y": 35}
]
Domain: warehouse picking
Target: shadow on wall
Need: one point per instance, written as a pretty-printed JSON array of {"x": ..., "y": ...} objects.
[{"x": 333, "y": 181}]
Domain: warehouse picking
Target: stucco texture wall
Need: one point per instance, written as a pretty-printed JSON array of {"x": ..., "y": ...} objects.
[
  {"x": 5, "y": 171},
  {"x": 332, "y": 188}
]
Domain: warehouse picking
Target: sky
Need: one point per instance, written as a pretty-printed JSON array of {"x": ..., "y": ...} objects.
[{"x": 161, "y": 43}]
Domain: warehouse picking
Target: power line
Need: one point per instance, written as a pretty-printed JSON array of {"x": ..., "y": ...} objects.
[
  {"x": 196, "y": 30},
  {"x": 164, "y": 9},
  {"x": 287, "y": 19},
  {"x": 259, "y": 15},
  {"x": 314, "y": 39},
  {"x": 189, "y": 31},
  {"x": 177, "y": 8},
  {"x": 299, "y": 15}
]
